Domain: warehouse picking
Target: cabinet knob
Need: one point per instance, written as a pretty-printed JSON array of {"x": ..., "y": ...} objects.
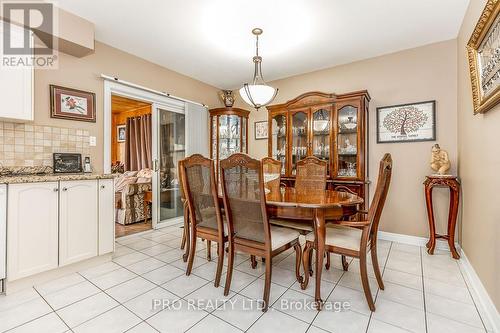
[
  {"x": 65, "y": 189},
  {"x": 56, "y": 189},
  {"x": 103, "y": 186}
]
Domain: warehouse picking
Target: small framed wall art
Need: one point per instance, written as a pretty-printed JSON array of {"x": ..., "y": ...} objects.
[
  {"x": 260, "y": 130},
  {"x": 72, "y": 104},
  {"x": 483, "y": 52},
  {"x": 121, "y": 135},
  {"x": 407, "y": 122}
]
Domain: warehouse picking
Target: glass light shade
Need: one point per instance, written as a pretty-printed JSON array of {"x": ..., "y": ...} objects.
[
  {"x": 320, "y": 125},
  {"x": 260, "y": 94}
]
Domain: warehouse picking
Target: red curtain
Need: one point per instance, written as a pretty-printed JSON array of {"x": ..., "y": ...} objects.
[{"x": 138, "y": 143}]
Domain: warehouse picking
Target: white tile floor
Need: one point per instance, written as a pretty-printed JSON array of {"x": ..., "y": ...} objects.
[{"x": 423, "y": 294}]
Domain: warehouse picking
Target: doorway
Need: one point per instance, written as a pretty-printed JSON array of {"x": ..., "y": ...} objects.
[{"x": 131, "y": 161}]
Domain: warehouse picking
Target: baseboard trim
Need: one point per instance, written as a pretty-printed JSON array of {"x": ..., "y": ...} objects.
[
  {"x": 487, "y": 304},
  {"x": 414, "y": 240},
  {"x": 488, "y": 307}
]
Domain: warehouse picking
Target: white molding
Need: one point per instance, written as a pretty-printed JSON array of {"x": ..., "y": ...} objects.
[
  {"x": 488, "y": 307},
  {"x": 415, "y": 240}
]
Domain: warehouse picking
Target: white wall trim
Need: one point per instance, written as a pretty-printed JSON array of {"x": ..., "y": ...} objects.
[
  {"x": 488, "y": 307},
  {"x": 415, "y": 240}
]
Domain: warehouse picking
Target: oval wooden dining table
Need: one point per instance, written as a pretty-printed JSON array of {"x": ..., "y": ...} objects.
[{"x": 313, "y": 207}]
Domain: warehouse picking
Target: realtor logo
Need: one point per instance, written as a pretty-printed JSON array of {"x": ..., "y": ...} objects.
[{"x": 28, "y": 34}]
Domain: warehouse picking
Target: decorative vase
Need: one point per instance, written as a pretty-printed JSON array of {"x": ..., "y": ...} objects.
[{"x": 227, "y": 97}]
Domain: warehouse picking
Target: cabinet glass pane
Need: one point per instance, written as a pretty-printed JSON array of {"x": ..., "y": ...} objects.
[
  {"x": 244, "y": 135},
  {"x": 299, "y": 138},
  {"x": 229, "y": 136},
  {"x": 278, "y": 140},
  {"x": 347, "y": 141},
  {"x": 321, "y": 135},
  {"x": 214, "y": 138}
]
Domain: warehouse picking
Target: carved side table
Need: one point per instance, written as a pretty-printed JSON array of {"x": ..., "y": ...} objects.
[{"x": 453, "y": 184}]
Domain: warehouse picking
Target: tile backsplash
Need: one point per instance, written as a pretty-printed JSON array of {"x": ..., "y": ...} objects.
[{"x": 33, "y": 145}]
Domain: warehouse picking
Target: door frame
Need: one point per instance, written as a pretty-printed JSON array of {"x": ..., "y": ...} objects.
[{"x": 126, "y": 90}]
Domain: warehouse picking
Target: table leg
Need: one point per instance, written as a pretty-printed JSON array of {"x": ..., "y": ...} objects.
[
  {"x": 452, "y": 221},
  {"x": 319, "y": 227},
  {"x": 431, "y": 244}
]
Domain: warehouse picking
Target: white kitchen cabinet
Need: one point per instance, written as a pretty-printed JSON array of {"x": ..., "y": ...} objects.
[
  {"x": 78, "y": 220},
  {"x": 106, "y": 216},
  {"x": 32, "y": 229},
  {"x": 16, "y": 83}
]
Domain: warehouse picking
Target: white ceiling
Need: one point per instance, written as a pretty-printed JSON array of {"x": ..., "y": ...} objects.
[{"x": 211, "y": 40}]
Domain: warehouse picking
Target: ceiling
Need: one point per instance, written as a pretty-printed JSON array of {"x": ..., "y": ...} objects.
[
  {"x": 212, "y": 41},
  {"x": 121, "y": 104}
]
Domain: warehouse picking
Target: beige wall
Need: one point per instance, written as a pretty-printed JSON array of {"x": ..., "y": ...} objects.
[
  {"x": 479, "y": 169},
  {"x": 420, "y": 74},
  {"x": 84, "y": 73}
]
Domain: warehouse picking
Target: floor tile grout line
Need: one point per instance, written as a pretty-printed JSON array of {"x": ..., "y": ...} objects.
[
  {"x": 36, "y": 318},
  {"x": 423, "y": 290},
  {"x": 378, "y": 289}
]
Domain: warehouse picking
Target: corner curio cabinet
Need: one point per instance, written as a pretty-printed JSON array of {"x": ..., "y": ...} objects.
[
  {"x": 228, "y": 133},
  {"x": 331, "y": 127}
]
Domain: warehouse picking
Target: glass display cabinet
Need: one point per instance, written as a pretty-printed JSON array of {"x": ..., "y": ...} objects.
[
  {"x": 228, "y": 133},
  {"x": 330, "y": 127}
]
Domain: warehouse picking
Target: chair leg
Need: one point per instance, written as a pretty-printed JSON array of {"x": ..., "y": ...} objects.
[
  {"x": 376, "y": 267},
  {"x": 365, "y": 281},
  {"x": 187, "y": 234},
  {"x": 267, "y": 283},
  {"x": 209, "y": 250},
  {"x": 220, "y": 263},
  {"x": 298, "y": 260},
  {"x": 192, "y": 251},
  {"x": 327, "y": 265},
  {"x": 186, "y": 225},
  {"x": 229, "y": 273},
  {"x": 345, "y": 264},
  {"x": 311, "y": 253},
  {"x": 306, "y": 258},
  {"x": 253, "y": 261}
]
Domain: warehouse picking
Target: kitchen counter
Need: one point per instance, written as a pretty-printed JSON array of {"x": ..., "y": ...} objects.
[{"x": 52, "y": 177}]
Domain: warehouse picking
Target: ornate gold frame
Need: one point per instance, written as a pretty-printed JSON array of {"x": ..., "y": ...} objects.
[{"x": 488, "y": 16}]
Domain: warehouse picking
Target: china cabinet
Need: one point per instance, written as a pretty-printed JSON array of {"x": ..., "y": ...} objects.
[
  {"x": 228, "y": 133},
  {"x": 331, "y": 127}
]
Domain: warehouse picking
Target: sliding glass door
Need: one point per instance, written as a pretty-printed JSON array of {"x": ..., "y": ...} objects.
[{"x": 169, "y": 147}]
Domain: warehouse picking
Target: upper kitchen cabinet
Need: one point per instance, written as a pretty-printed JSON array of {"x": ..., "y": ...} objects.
[{"x": 16, "y": 82}]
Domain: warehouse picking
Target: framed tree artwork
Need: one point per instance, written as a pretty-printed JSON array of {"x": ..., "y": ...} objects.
[
  {"x": 483, "y": 52},
  {"x": 407, "y": 122}
]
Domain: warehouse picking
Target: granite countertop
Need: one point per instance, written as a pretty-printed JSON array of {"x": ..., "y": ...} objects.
[{"x": 52, "y": 177}]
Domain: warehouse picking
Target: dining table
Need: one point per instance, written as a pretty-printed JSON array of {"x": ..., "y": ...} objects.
[
  {"x": 312, "y": 207},
  {"x": 316, "y": 207}
]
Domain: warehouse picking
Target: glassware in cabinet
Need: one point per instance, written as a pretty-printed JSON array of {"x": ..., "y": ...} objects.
[
  {"x": 299, "y": 142},
  {"x": 347, "y": 141},
  {"x": 279, "y": 140}
]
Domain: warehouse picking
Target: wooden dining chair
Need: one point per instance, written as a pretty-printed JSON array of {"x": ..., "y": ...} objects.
[
  {"x": 270, "y": 166},
  {"x": 357, "y": 238},
  {"x": 248, "y": 225},
  {"x": 311, "y": 174},
  {"x": 205, "y": 218}
]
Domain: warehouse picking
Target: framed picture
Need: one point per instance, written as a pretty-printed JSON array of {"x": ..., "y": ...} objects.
[
  {"x": 120, "y": 133},
  {"x": 260, "y": 130},
  {"x": 407, "y": 122},
  {"x": 484, "y": 59},
  {"x": 72, "y": 104}
]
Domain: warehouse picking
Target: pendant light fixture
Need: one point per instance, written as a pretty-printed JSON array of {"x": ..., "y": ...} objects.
[{"x": 258, "y": 93}]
